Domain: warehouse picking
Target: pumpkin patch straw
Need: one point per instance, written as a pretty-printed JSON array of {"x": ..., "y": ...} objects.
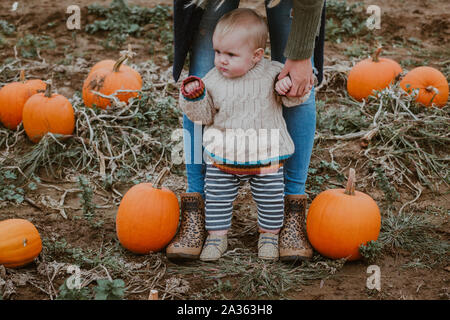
[
  {"x": 129, "y": 53},
  {"x": 432, "y": 89},
  {"x": 410, "y": 148},
  {"x": 406, "y": 141}
]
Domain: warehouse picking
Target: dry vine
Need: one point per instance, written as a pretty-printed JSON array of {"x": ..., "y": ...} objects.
[
  {"x": 410, "y": 143},
  {"x": 124, "y": 143}
]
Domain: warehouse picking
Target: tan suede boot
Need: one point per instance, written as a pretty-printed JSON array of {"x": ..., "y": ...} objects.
[
  {"x": 294, "y": 244},
  {"x": 188, "y": 242}
]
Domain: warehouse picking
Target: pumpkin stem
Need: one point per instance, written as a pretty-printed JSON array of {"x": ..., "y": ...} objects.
[
  {"x": 158, "y": 180},
  {"x": 350, "y": 188},
  {"x": 119, "y": 63},
  {"x": 376, "y": 55},
  {"x": 48, "y": 89},
  {"x": 22, "y": 76}
]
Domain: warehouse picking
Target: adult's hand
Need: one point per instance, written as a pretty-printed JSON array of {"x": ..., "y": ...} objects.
[{"x": 300, "y": 72}]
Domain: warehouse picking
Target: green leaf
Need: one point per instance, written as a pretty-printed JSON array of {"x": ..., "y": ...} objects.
[
  {"x": 119, "y": 282},
  {"x": 10, "y": 175},
  {"x": 32, "y": 186},
  {"x": 100, "y": 295}
]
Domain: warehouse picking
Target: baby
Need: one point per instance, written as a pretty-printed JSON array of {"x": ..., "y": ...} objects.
[{"x": 245, "y": 137}]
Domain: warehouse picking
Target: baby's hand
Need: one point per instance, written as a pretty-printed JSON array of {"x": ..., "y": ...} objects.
[
  {"x": 283, "y": 86},
  {"x": 191, "y": 86}
]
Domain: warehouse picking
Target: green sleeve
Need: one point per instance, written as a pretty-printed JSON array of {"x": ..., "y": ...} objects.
[{"x": 305, "y": 25}]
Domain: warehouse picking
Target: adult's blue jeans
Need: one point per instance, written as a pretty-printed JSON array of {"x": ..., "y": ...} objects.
[{"x": 300, "y": 120}]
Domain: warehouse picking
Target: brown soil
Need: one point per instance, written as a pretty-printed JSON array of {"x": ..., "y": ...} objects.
[{"x": 429, "y": 23}]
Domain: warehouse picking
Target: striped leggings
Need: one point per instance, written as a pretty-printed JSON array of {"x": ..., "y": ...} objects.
[{"x": 221, "y": 189}]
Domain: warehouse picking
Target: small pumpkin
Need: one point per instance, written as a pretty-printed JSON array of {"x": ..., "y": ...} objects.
[
  {"x": 147, "y": 218},
  {"x": 340, "y": 220},
  {"x": 107, "y": 80},
  {"x": 13, "y": 97},
  {"x": 20, "y": 242},
  {"x": 48, "y": 112},
  {"x": 431, "y": 84},
  {"x": 371, "y": 74},
  {"x": 109, "y": 64}
]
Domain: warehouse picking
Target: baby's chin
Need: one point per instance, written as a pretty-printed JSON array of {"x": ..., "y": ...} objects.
[
  {"x": 224, "y": 72},
  {"x": 228, "y": 74}
]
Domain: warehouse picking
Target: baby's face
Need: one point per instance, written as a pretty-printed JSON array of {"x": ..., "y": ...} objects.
[{"x": 233, "y": 55}]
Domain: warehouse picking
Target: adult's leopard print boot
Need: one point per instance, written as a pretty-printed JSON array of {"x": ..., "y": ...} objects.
[
  {"x": 293, "y": 243},
  {"x": 188, "y": 242}
]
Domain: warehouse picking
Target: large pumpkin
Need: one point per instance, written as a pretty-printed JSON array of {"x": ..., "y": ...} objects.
[
  {"x": 47, "y": 112},
  {"x": 147, "y": 218},
  {"x": 20, "y": 242},
  {"x": 431, "y": 84},
  {"x": 371, "y": 74},
  {"x": 340, "y": 220},
  {"x": 109, "y": 80},
  {"x": 13, "y": 97}
]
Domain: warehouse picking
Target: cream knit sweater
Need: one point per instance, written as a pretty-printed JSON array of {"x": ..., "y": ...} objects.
[{"x": 243, "y": 116}]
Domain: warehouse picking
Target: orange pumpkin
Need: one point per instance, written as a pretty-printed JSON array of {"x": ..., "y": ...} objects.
[
  {"x": 20, "y": 242},
  {"x": 107, "y": 81},
  {"x": 47, "y": 112},
  {"x": 371, "y": 74},
  {"x": 340, "y": 220},
  {"x": 109, "y": 64},
  {"x": 13, "y": 97},
  {"x": 147, "y": 218},
  {"x": 431, "y": 84}
]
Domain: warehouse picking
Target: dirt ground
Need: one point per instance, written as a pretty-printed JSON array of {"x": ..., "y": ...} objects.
[{"x": 427, "y": 21}]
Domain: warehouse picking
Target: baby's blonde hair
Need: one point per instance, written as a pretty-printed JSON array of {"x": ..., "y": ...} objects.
[{"x": 247, "y": 21}]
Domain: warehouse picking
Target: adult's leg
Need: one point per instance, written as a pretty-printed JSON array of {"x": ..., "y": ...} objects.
[
  {"x": 201, "y": 61},
  {"x": 300, "y": 120},
  {"x": 301, "y": 125},
  {"x": 188, "y": 242}
]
